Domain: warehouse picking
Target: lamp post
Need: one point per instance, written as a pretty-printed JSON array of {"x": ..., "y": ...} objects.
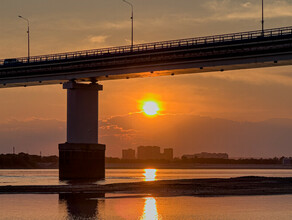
[
  {"x": 28, "y": 38},
  {"x": 263, "y": 17},
  {"x": 132, "y": 18}
]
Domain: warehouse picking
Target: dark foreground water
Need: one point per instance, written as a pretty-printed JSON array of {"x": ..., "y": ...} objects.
[
  {"x": 50, "y": 177},
  {"x": 142, "y": 208}
]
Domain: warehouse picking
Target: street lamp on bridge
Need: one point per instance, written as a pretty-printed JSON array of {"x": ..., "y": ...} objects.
[
  {"x": 28, "y": 38},
  {"x": 132, "y": 18},
  {"x": 262, "y": 17}
]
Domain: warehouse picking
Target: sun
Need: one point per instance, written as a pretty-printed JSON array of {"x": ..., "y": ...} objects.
[
  {"x": 150, "y": 108},
  {"x": 150, "y": 105}
]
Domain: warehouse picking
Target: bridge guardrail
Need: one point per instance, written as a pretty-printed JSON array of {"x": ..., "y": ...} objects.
[{"x": 157, "y": 45}]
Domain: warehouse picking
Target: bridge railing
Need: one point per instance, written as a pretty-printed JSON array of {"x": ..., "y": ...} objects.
[{"x": 156, "y": 45}]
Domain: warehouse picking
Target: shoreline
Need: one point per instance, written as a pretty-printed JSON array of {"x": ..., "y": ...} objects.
[
  {"x": 239, "y": 186},
  {"x": 111, "y": 166},
  {"x": 197, "y": 166}
]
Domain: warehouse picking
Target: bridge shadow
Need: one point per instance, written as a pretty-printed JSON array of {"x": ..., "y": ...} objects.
[{"x": 83, "y": 205}]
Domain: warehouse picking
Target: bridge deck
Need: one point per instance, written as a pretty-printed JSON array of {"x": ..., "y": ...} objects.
[{"x": 220, "y": 52}]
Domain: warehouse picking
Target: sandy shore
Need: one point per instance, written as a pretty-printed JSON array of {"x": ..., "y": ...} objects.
[{"x": 193, "y": 187}]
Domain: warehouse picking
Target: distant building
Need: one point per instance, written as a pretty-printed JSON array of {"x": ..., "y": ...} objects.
[
  {"x": 153, "y": 153},
  {"x": 128, "y": 154},
  {"x": 167, "y": 154},
  {"x": 207, "y": 156},
  {"x": 148, "y": 153}
]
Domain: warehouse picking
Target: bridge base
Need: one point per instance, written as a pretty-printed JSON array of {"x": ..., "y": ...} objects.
[{"x": 81, "y": 161}]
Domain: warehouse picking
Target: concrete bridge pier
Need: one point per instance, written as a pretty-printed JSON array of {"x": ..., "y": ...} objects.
[{"x": 81, "y": 157}]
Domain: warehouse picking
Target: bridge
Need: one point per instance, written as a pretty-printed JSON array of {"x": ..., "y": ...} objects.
[
  {"x": 193, "y": 55},
  {"x": 79, "y": 72}
]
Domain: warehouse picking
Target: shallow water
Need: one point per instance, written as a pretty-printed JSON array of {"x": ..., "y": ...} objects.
[
  {"x": 141, "y": 207},
  {"x": 68, "y": 206},
  {"x": 50, "y": 177}
]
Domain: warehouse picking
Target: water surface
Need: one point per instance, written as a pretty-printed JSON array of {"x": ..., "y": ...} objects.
[
  {"x": 50, "y": 177},
  {"x": 68, "y": 206}
]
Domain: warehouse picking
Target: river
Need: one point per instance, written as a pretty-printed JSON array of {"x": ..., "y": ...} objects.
[
  {"x": 50, "y": 177},
  {"x": 140, "y": 207}
]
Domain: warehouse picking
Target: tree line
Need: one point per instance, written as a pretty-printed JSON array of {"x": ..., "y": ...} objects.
[{"x": 26, "y": 161}]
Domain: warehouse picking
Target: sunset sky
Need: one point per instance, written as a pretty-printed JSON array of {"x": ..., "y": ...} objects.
[{"x": 243, "y": 113}]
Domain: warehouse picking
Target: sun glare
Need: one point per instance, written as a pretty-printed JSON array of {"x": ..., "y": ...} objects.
[
  {"x": 149, "y": 174},
  {"x": 150, "y": 210},
  {"x": 150, "y": 108}
]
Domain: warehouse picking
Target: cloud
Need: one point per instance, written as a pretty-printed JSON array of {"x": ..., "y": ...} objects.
[
  {"x": 98, "y": 39},
  {"x": 226, "y": 10},
  {"x": 276, "y": 9},
  {"x": 246, "y": 4},
  {"x": 118, "y": 25},
  {"x": 185, "y": 133},
  {"x": 193, "y": 134}
]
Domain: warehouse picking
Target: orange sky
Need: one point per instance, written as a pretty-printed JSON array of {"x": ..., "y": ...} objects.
[{"x": 58, "y": 26}]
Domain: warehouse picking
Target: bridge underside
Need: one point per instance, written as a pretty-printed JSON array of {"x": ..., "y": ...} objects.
[
  {"x": 237, "y": 51},
  {"x": 142, "y": 71}
]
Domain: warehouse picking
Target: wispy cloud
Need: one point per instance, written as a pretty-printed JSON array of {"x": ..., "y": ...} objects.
[
  {"x": 226, "y": 10},
  {"x": 98, "y": 39},
  {"x": 246, "y": 4},
  {"x": 191, "y": 133}
]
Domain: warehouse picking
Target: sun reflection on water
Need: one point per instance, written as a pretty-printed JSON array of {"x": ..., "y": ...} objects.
[
  {"x": 150, "y": 210},
  {"x": 149, "y": 174}
]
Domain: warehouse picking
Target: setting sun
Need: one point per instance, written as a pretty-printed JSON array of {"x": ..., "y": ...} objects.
[
  {"x": 150, "y": 105},
  {"x": 150, "y": 108}
]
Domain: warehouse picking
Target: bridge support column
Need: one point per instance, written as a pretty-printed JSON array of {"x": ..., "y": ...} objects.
[{"x": 81, "y": 157}]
